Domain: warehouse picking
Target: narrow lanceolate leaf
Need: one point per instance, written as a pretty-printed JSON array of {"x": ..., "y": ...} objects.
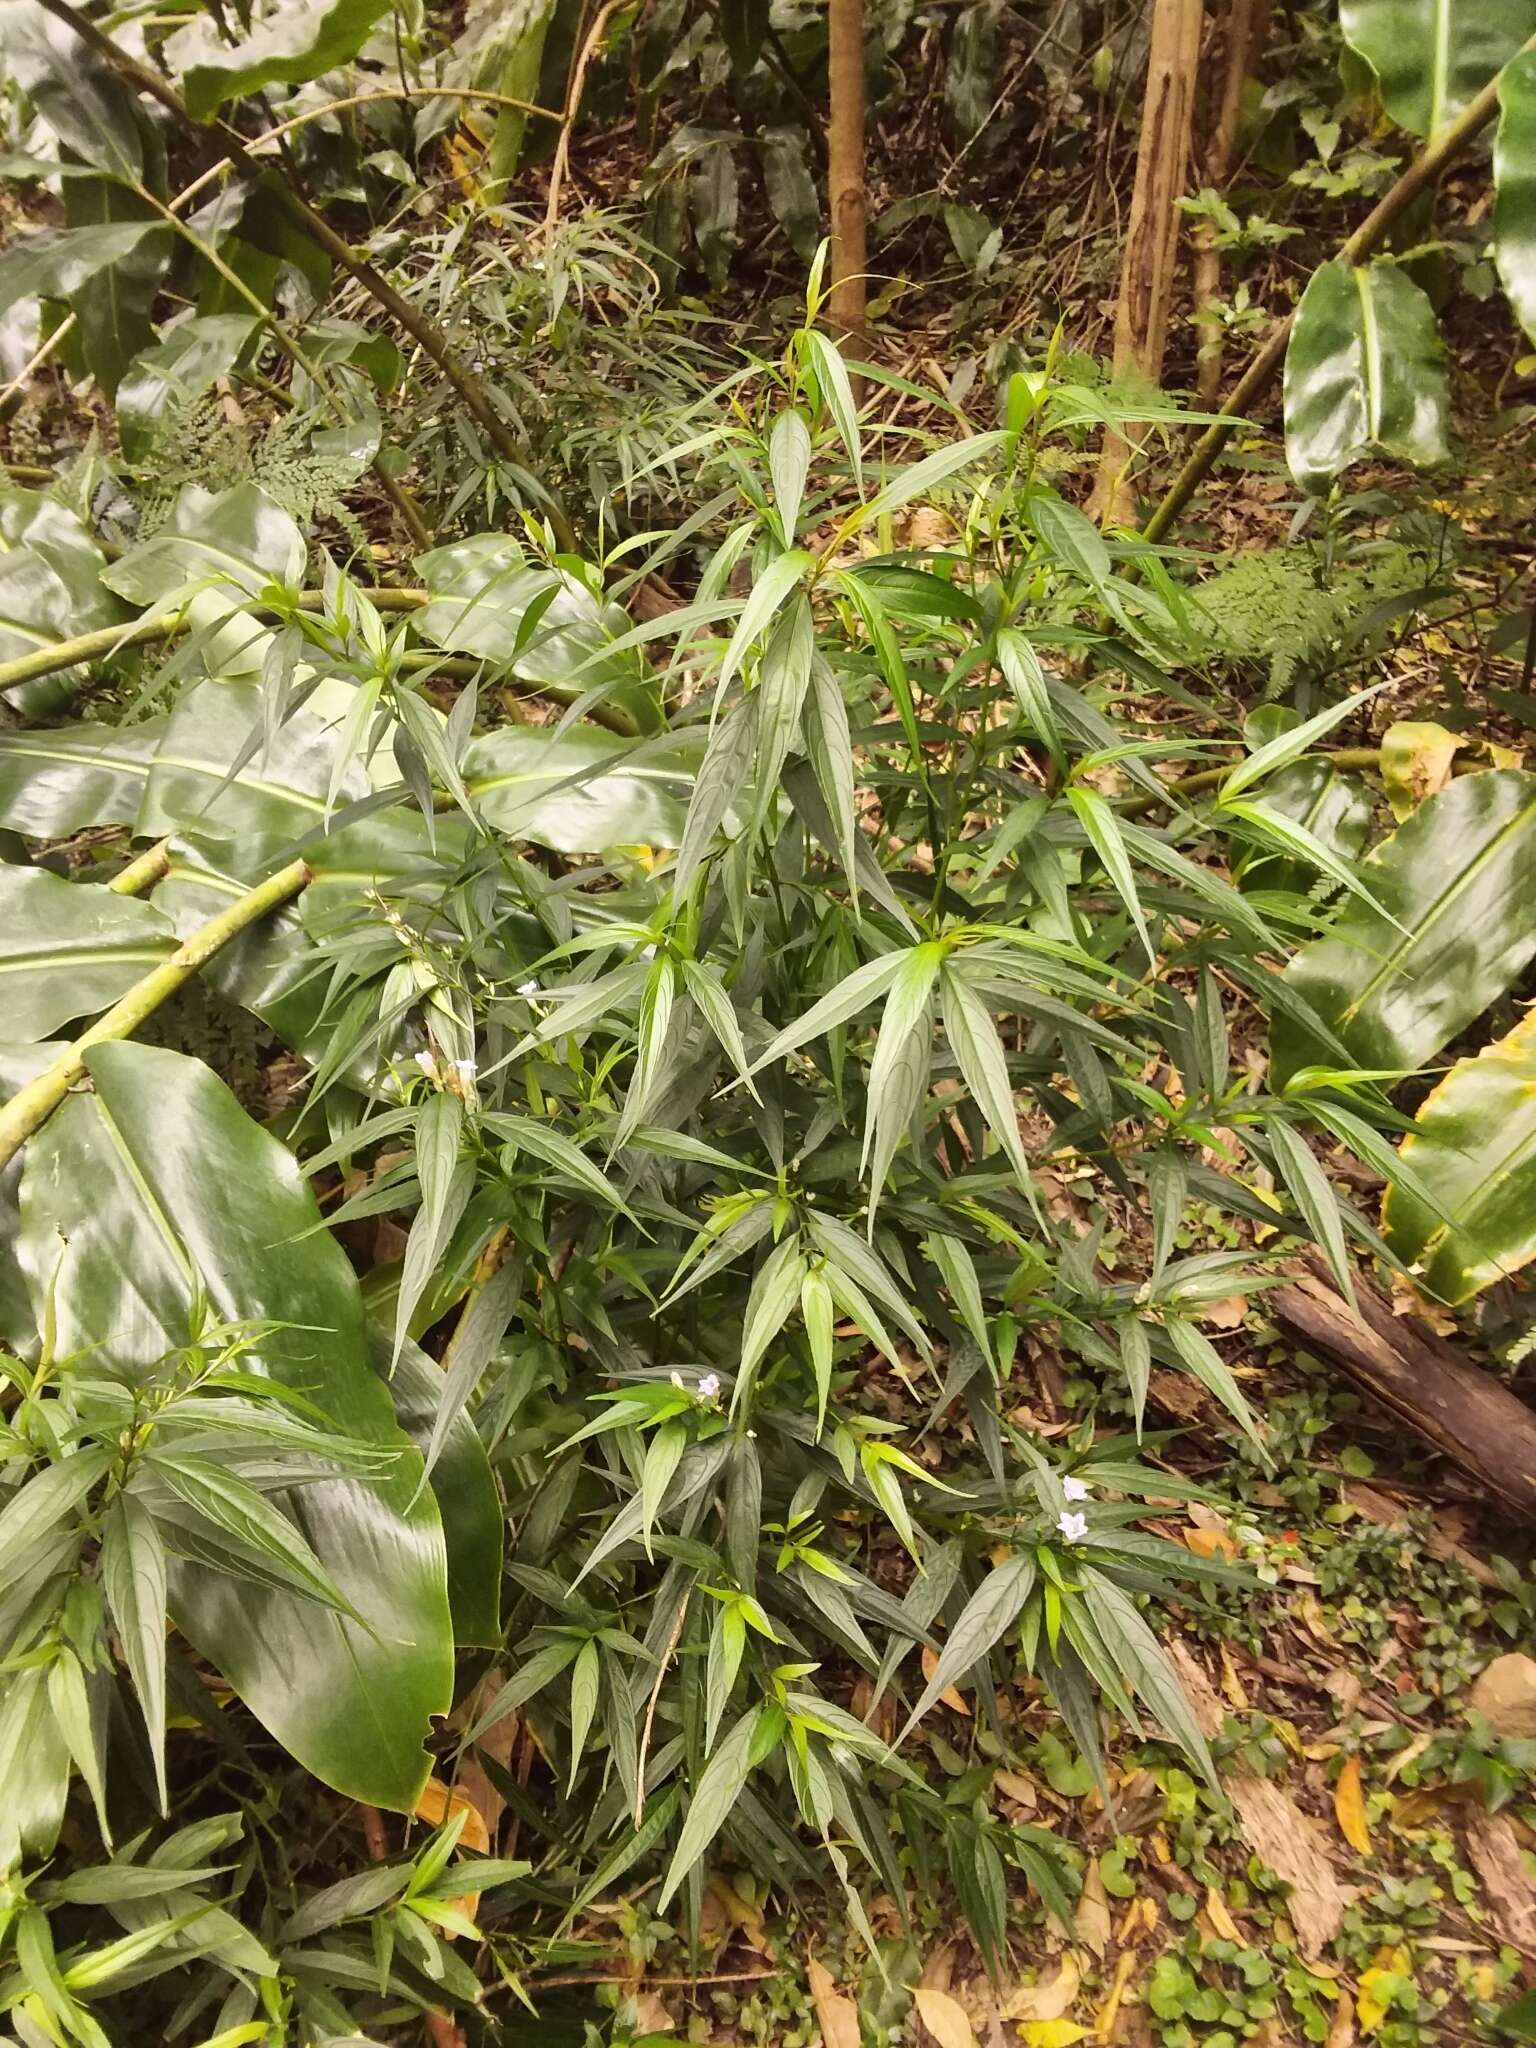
[
  {"x": 784, "y": 676},
  {"x": 133, "y": 1579},
  {"x": 958, "y": 1270},
  {"x": 1103, "y": 832},
  {"x": 1289, "y": 746},
  {"x": 1200, "y": 1356},
  {"x": 1514, "y": 178},
  {"x": 719, "y": 1013},
  {"x": 1431, "y": 57},
  {"x": 898, "y": 1073},
  {"x": 1309, "y": 1189},
  {"x": 723, "y": 779},
  {"x": 1473, "y": 1149},
  {"x": 1365, "y": 372},
  {"x": 774, "y": 1293},
  {"x": 585, "y": 1674},
  {"x": 716, "y": 1793},
  {"x": 656, "y": 1001},
  {"x": 761, "y": 608},
  {"x": 829, "y": 743},
  {"x": 1026, "y": 678},
  {"x": 1457, "y": 886},
  {"x": 978, "y": 1049},
  {"x": 789, "y": 460},
  {"x": 816, "y": 1314},
  {"x": 853, "y": 993},
  {"x": 1272, "y": 828},
  {"x": 987, "y": 1617},
  {"x": 41, "y": 1504},
  {"x": 1139, "y": 1658}
]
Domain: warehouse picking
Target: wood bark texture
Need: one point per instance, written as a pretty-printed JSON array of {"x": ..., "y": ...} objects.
[
  {"x": 1470, "y": 1416},
  {"x": 845, "y": 171},
  {"x": 1247, "y": 21},
  {"x": 1147, "y": 269}
]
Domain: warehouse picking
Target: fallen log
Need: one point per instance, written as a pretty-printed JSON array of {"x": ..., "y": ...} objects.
[{"x": 1464, "y": 1412}]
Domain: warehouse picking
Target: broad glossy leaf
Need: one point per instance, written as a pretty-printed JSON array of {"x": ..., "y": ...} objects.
[
  {"x": 76, "y": 91},
  {"x": 113, "y": 311},
  {"x": 1460, "y": 877},
  {"x": 1514, "y": 177},
  {"x": 50, "y": 588},
  {"x": 56, "y": 782},
  {"x": 1336, "y": 809},
  {"x": 157, "y": 1185},
  {"x": 69, "y": 949},
  {"x": 791, "y": 188},
  {"x": 18, "y": 1065},
  {"x": 280, "y": 794},
  {"x": 1364, "y": 371},
  {"x": 60, "y": 262},
  {"x": 542, "y": 624},
  {"x": 1474, "y": 1148},
  {"x": 289, "y": 42},
  {"x": 1431, "y": 56},
  {"x": 462, "y": 1483},
  {"x": 238, "y": 536},
  {"x": 164, "y": 379},
  {"x": 579, "y": 792}
]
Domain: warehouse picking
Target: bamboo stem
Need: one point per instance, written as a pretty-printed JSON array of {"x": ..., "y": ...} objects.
[
  {"x": 37, "y": 1101},
  {"x": 107, "y": 640},
  {"x": 1365, "y": 241},
  {"x": 421, "y": 329},
  {"x": 846, "y": 304},
  {"x": 151, "y": 866}
]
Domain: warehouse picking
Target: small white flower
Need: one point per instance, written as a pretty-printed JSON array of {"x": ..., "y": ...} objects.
[
  {"x": 709, "y": 1386},
  {"x": 1074, "y": 1489},
  {"x": 427, "y": 1061},
  {"x": 1073, "y": 1528},
  {"x": 527, "y": 988},
  {"x": 677, "y": 1380},
  {"x": 467, "y": 1070}
]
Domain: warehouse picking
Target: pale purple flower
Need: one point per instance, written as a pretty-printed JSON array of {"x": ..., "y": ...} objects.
[
  {"x": 527, "y": 988},
  {"x": 709, "y": 1386},
  {"x": 1073, "y": 1528},
  {"x": 1074, "y": 1489}
]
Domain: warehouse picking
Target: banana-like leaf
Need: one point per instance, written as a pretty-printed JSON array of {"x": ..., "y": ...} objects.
[
  {"x": 289, "y": 42},
  {"x": 278, "y": 795},
  {"x": 113, "y": 311},
  {"x": 1431, "y": 56},
  {"x": 1514, "y": 177},
  {"x": 135, "y": 1200},
  {"x": 1364, "y": 371},
  {"x": 1474, "y": 1149},
  {"x": 579, "y": 792},
  {"x": 462, "y": 1484},
  {"x": 543, "y": 624},
  {"x": 68, "y": 949},
  {"x": 76, "y": 91},
  {"x": 1459, "y": 876},
  {"x": 19, "y": 1064},
  {"x": 61, "y": 262},
  {"x": 59, "y": 781},
  {"x": 237, "y": 536}
]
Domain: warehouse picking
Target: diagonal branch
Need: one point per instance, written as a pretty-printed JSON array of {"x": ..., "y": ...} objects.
[{"x": 32, "y": 1105}]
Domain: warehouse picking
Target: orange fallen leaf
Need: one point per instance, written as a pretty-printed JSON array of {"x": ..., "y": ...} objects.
[
  {"x": 1349, "y": 1807},
  {"x": 944, "y": 2017},
  {"x": 1216, "y": 1912},
  {"x": 837, "y": 2016},
  {"x": 950, "y": 1697},
  {"x": 438, "y": 1804},
  {"x": 1050, "y": 1998}
]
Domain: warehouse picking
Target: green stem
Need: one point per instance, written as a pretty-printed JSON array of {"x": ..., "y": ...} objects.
[
  {"x": 151, "y": 866},
  {"x": 1208, "y": 778},
  {"x": 35, "y": 1103},
  {"x": 1365, "y": 241},
  {"x": 97, "y": 646}
]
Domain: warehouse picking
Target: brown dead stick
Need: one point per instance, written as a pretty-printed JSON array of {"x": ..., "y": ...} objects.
[{"x": 1463, "y": 1412}]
